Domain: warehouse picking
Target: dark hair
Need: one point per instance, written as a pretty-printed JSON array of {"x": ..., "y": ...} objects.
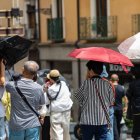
[
  {"x": 56, "y": 79},
  {"x": 96, "y": 66},
  {"x": 136, "y": 71}
]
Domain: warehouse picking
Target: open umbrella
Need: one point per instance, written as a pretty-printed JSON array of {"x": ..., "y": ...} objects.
[
  {"x": 101, "y": 54},
  {"x": 131, "y": 47},
  {"x": 13, "y": 49}
]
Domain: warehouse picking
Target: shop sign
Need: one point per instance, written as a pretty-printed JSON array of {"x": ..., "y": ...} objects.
[{"x": 117, "y": 68}]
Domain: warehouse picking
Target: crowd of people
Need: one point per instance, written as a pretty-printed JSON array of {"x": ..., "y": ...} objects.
[{"x": 30, "y": 111}]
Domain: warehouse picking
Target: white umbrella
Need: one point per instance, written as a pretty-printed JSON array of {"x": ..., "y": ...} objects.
[{"x": 131, "y": 47}]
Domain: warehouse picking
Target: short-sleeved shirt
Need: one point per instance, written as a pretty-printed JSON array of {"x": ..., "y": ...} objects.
[
  {"x": 119, "y": 94},
  {"x": 22, "y": 117}
]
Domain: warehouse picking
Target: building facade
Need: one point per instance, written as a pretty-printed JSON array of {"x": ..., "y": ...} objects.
[{"x": 72, "y": 24}]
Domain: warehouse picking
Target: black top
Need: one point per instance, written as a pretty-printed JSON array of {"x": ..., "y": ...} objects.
[
  {"x": 133, "y": 95},
  {"x": 119, "y": 94}
]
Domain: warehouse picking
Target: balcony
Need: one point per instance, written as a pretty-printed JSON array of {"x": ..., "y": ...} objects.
[
  {"x": 10, "y": 31},
  {"x": 100, "y": 29},
  {"x": 135, "y": 23},
  {"x": 55, "y": 29}
]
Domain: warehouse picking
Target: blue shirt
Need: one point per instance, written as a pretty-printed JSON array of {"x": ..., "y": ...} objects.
[
  {"x": 22, "y": 117},
  {"x": 119, "y": 94}
]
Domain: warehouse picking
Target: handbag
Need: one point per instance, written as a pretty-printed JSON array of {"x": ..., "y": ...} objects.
[
  {"x": 77, "y": 132},
  {"x": 77, "y": 127}
]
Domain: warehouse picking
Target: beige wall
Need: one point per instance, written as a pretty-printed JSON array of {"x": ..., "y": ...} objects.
[
  {"x": 124, "y": 9},
  {"x": 71, "y": 20},
  {"x": 84, "y": 8},
  {"x": 43, "y": 19},
  {"x": 5, "y": 4}
]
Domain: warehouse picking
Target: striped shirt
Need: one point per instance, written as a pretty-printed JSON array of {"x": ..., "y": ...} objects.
[{"x": 92, "y": 112}]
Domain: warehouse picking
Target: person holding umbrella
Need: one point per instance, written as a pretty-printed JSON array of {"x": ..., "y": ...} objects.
[{"x": 95, "y": 96}]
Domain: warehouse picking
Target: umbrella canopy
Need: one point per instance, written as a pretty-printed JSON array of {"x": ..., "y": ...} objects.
[
  {"x": 13, "y": 49},
  {"x": 43, "y": 73},
  {"x": 131, "y": 47},
  {"x": 101, "y": 54}
]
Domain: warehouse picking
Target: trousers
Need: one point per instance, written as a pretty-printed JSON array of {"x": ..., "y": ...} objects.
[{"x": 60, "y": 125}]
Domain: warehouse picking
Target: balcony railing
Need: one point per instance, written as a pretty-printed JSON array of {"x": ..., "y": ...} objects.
[
  {"x": 55, "y": 29},
  {"x": 135, "y": 23},
  {"x": 100, "y": 29},
  {"x": 11, "y": 31}
]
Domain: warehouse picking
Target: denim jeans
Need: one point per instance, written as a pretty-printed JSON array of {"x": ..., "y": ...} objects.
[
  {"x": 2, "y": 129},
  {"x": 7, "y": 128},
  {"x": 97, "y": 131},
  {"x": 117, "y": 125},
  {"x": 27, "y": 134},
  {"x": 110, "y": 134}
]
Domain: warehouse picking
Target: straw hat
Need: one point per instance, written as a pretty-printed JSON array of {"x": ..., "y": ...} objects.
[{"x": 53, "y": 74}]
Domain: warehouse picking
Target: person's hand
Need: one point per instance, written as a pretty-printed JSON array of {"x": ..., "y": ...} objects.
[
  {"x": 46, "y": 86},
  {"x": 124, "y": 109},
  {"x": 88, "y": 75},
  {"x": 41, "y": 119},
  {"x": 2, "y": 81}
]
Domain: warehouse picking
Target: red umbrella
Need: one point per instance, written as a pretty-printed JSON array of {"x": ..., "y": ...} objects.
[{"x": 101, "y": 54}]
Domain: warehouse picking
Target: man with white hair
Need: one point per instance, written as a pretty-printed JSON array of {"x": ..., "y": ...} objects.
[{"x": 24, "y": 123}]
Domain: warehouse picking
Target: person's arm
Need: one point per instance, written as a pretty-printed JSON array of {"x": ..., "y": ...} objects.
[
  {"x": 43, "y": 109},
  {"x": 125, "y": 104},
  {"x": 79, "y": 94}
]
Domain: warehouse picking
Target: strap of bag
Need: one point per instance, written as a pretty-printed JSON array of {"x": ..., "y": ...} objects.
[
  {"x": 25, "y": 100},
  {"x": 54, "y": 98},
  {"x": 103, "y": 106}
]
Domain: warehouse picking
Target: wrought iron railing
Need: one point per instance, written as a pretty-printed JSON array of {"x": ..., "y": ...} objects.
[
  {"x": 135, "y": 23},
  {"x": 55, "y": 29},
  {"x": 98, "y": 28}
]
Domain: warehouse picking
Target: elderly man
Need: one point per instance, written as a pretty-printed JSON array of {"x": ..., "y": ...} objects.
[{"x": 24, "y": 124}]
